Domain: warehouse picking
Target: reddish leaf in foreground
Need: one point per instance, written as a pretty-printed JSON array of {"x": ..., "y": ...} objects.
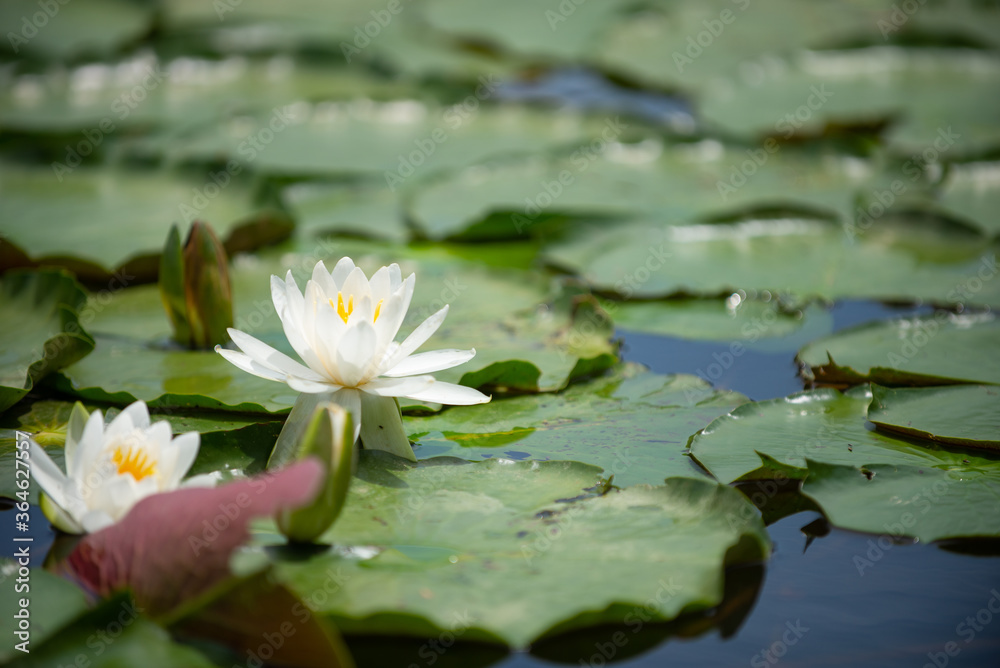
[{"x": 173, "y": 546}]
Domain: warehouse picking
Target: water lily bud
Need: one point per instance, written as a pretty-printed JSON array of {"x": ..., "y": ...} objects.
[
  {"x": 195, "y": 287},
  {"x": 329, "y": 436}
]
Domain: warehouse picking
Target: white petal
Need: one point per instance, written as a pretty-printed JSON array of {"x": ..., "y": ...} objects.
[
  {"x": 124, "y": 491},
  {"x": 324, "y": 281},
  {"x": 133, "y": 416},
  {"x": 186, "y": 447},
  {"x": 74, "y": 432},
  {"x": 395, "y": 277},
  {"x": 51, "y": 479},
  {"x": 312, "y": 387},
  {"x": 341, "y": 270},
  {"x": 398, "y": 387},
  {"x": 294, "y": 300},
  {"x": 159, "y": 434},
  {"x": 356, "y": 285},
  {"x": 355, "y": 362},
  {"x": 279, "y": 293},
  {"x": 200, "y": 480},
  {"x": 327, "y": 333},
  {"x": 95, "y": 520},
  {"x": 428, "y": 362},
  {"x": 245, "y": 362},
  {"x": 269, "y": 357},
  {"x": 284, "y": 296},
  {"x": 379, "y": 284},
  {"x": 417, "y": 338},
  {"x": 451, "y": 394},
  {"x": 323, "y": 329},
  {"x": 392, "y": 313},
  {"x": 350, "y": 400},
  {"x": 88, "y": 454}
]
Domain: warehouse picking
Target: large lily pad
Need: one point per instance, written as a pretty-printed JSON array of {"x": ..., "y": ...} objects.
[
  {"x": 943, "y": 349},
  {"x": 523, "y": 341},
  {"x": 698, "y": 45},
  {"x": 54, "y": 604},
  {"x": 69, "y": 30},
  {"x": 863, "y": 479},
  {"x": 389, "y": 141},
  {"x": 50, "y": 216},
  {"x": 100, "y": 103},
  {"x": 901, "y": 259},
  {"x": 632, "y": 423},
  {"x": 366, "y": 210},
  {"x": 942, "y": 100},
  {"x": 899, "y": 500},
  {"x": 557, "y": 29},
  {"x": 115, "y": 634},
  {"x": 753, "y": 322},
  {"x": 610, "y": 177},
  {"x": 42, "y": 331},
  {"x": 759, "y": 440},
  {"x": 414, "y": 538},
  {"x": 972, "y": 191},
  {"x": 962, "y": 414}
]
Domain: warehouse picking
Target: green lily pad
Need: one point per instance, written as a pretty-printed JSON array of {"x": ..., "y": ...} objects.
[
  {"x": 389, "y": 141},
  {"x": 143, "y": 92},
  {"x": 971, "y": 191},
  {"x": 292, "y": 25},
  {"x": 370, "y": 210},
  {"x": 52, "y": 216},
  {"x": 54, "y": 603},
  {"x": 413, "y": 52},
  {"x": 231, "y": 444},
  {"x": 69, "y": 30},
  {"x": 899, "y": 260},
  {"x": 42, "y": 332},
  {"x": 116, "y": 634},
  {"x": 699, "y": 46},
  {"x": 615, "y": 176},
  {"x": 413, "y": 537},
  {"x": 966, "y": 415},
  {"x": 524, "y": 342},
  {"x": 899, "y": 500},
  {"x": 633, "y": 423},
  {"x": 945, "y": 100},
  {"x": 755, "y": 323},
  {"x": 558, "y": 30},
  {"x": 943, "y": 349},
  {"x": 756, "y": 440}
]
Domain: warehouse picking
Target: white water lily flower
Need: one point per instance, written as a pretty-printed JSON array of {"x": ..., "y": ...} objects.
[
  {"x": 343, "y": 328},
  {"x": 110, "y": 469}
]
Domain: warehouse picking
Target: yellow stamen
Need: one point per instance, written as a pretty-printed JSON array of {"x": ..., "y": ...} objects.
[
  {"x": 134, "y": 462},
  {"x": 378, "y": 307},
  {"x": 344, "y": 313}
]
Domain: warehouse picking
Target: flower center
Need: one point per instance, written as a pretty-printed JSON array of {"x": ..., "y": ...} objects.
[
  {"x": 134, "y": 461},
  {"x": 341, "y": 311},
  {"x": 345, "y": 311}
]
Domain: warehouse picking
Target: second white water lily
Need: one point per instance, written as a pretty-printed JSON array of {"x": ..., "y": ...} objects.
[
  {"x": 343, "y": 327},
  {"x": 111, "y": 468}
]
